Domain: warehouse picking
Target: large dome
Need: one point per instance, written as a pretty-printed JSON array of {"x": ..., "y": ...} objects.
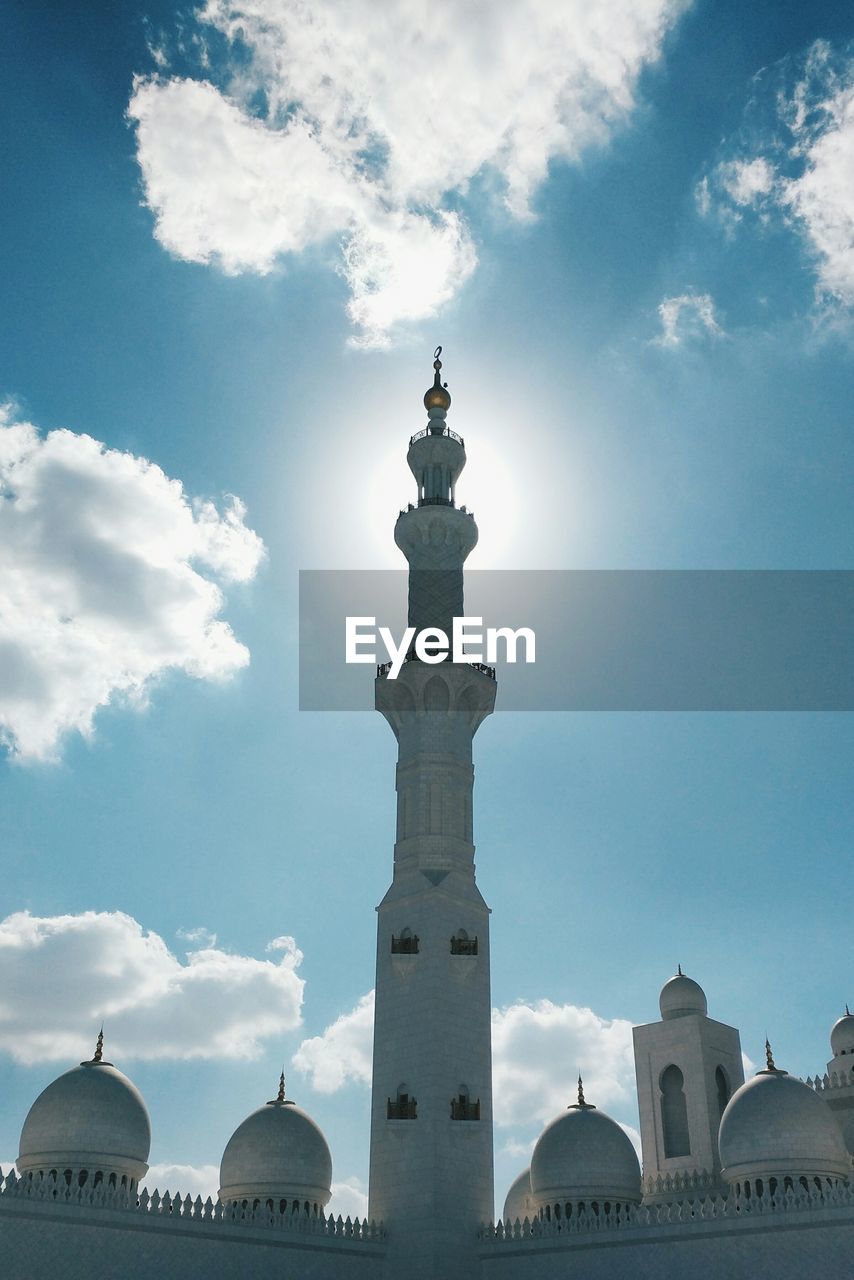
[
  {"x": 519, "y": 1203},
  {"x": 681, "y": 996},
  {"x": 584, "y": 1155},
  {"x": 777, "y": 1126},
  {"x": 842, "y": 1037},
  {"x": 92, "y": 1119},
  {"x": 278, "y": 1153}
]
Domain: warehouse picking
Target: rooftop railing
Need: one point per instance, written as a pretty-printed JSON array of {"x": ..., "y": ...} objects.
[
  {"x": 437, "y": 431},
  {"x": 384, "y": 667}
]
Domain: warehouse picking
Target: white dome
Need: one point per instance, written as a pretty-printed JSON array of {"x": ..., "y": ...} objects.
[
  {"x": 680, "y": 996},
  {"x": 842, "y": 1036},
  {"x": 519, "y": 1203},
  {"x": 277, "y": 1153},
  {"x": 584, "y": 1155},
  {"x": 777, "y": 1126},
  {"x": 91, "y": 1118}
]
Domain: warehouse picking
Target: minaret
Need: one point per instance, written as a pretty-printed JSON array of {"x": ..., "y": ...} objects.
[
  {"x": 688, "y": 1066},
  {"x": 431, "y": 1179}
]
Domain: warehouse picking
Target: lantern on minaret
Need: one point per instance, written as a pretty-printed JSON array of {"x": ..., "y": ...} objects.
[{"x": 431, "y": 1175}]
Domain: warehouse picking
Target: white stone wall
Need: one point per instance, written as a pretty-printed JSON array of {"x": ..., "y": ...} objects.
[
  {"x": 46, "y": 1238},
  {"x": 793, "y": 1239}
]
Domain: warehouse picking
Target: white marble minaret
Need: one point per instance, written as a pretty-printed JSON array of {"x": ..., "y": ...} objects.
[{"x": 431, "y": 1179}]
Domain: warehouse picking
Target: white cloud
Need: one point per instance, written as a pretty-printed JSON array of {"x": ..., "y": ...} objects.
[
  {"x": 201, "y": 936},
  {"x": 349, "y": 1199},
  {"x": 184, "y": 1179},
  {"x": 61, "y": 976},
  {"x": 687, "y": 315},
  {"x": 537, "y": 1050},
  {"x": 746, "y": 181},
  {"x": 349, "y": 1195},
  {"x": 821, "y": 199},
  {"x": 356, "y": 121},
  {"x": 343, "y": 1052},
  {"x": 107, "y": 581},
  {"x": 803, "y": 173}
]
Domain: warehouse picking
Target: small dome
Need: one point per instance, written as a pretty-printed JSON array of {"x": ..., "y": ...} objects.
[
  {"x": 584, "y": 1155},
  {"x": 91, "y": 1118},
  {"x": 519, "y": 1203},
  {"x": 775, "y": 1125},
  {"x": 842, "y": 1035},
  {"x": 680, "y": 996},
  {"x": 277, "y": 1153},
  {"x": 437, "y": 396}
]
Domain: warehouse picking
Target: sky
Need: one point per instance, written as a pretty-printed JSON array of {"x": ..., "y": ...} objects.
[{"x": 231, "y": 238}]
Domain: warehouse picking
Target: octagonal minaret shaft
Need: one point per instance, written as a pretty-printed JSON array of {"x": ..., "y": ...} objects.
[{"x": 431, "y": 1178}]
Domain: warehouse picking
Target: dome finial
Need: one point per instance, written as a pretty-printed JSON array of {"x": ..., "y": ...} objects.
[
  {"x": 847, "y": 1011},
  {"x": 437, "y": 396},
  {"x": 99, "y": 1046},
  {"x": 581, "y": 1104},
  {"x": 280, "y": 1096},
  {"x": 770, "y": 1068},
  {"x": 679, "y": 970}
]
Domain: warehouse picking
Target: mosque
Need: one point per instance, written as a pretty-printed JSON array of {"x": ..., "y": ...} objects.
[{"x": 739, "y": 1179}]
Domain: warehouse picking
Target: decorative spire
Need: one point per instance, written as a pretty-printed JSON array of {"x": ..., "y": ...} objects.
[
  {"x": 280, "y": 1098},
  {"x": 437, "y": 396},
  {"x": 98, "y": 1058},
  {"x": 770, "y": 1068},
  {"x": 581, "y": 1104},
  {"x": 679, "y": 970}
]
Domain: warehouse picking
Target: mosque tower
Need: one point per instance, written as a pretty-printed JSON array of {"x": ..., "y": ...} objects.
[{"x": 431, "y": 1175}]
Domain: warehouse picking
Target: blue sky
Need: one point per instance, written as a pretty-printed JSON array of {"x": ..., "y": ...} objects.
[{"x": 637, "y": 252}]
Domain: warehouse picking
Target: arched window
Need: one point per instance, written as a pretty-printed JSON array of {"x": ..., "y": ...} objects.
[
  {"x": 82, "y": 1176},
  {"x": 674, "y": 1113},
  {"x": 462, "y": 944},
  {"x": 722, "y": 1086},
  {"x": 403, "y": 1106},
  {"x": 462, "y": 1107},
  {"x": 404, "y": 943}
]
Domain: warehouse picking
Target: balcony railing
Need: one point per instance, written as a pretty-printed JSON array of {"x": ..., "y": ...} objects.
[
  {"x": 436, "y": 502},
  {"x": 403, "y": 1107},
  {"x": 384, "y": 667},
  {"x": 463, "y": 1109},
  {"x": 405, "y": 945},
  {"x": 463, "y": 946},
  {"x": 437, "y": 431}
]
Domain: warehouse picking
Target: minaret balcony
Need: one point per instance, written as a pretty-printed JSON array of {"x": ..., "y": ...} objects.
[
  {"x": 462, "y": 1108},
  {"x": 436, "y": 429}
]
